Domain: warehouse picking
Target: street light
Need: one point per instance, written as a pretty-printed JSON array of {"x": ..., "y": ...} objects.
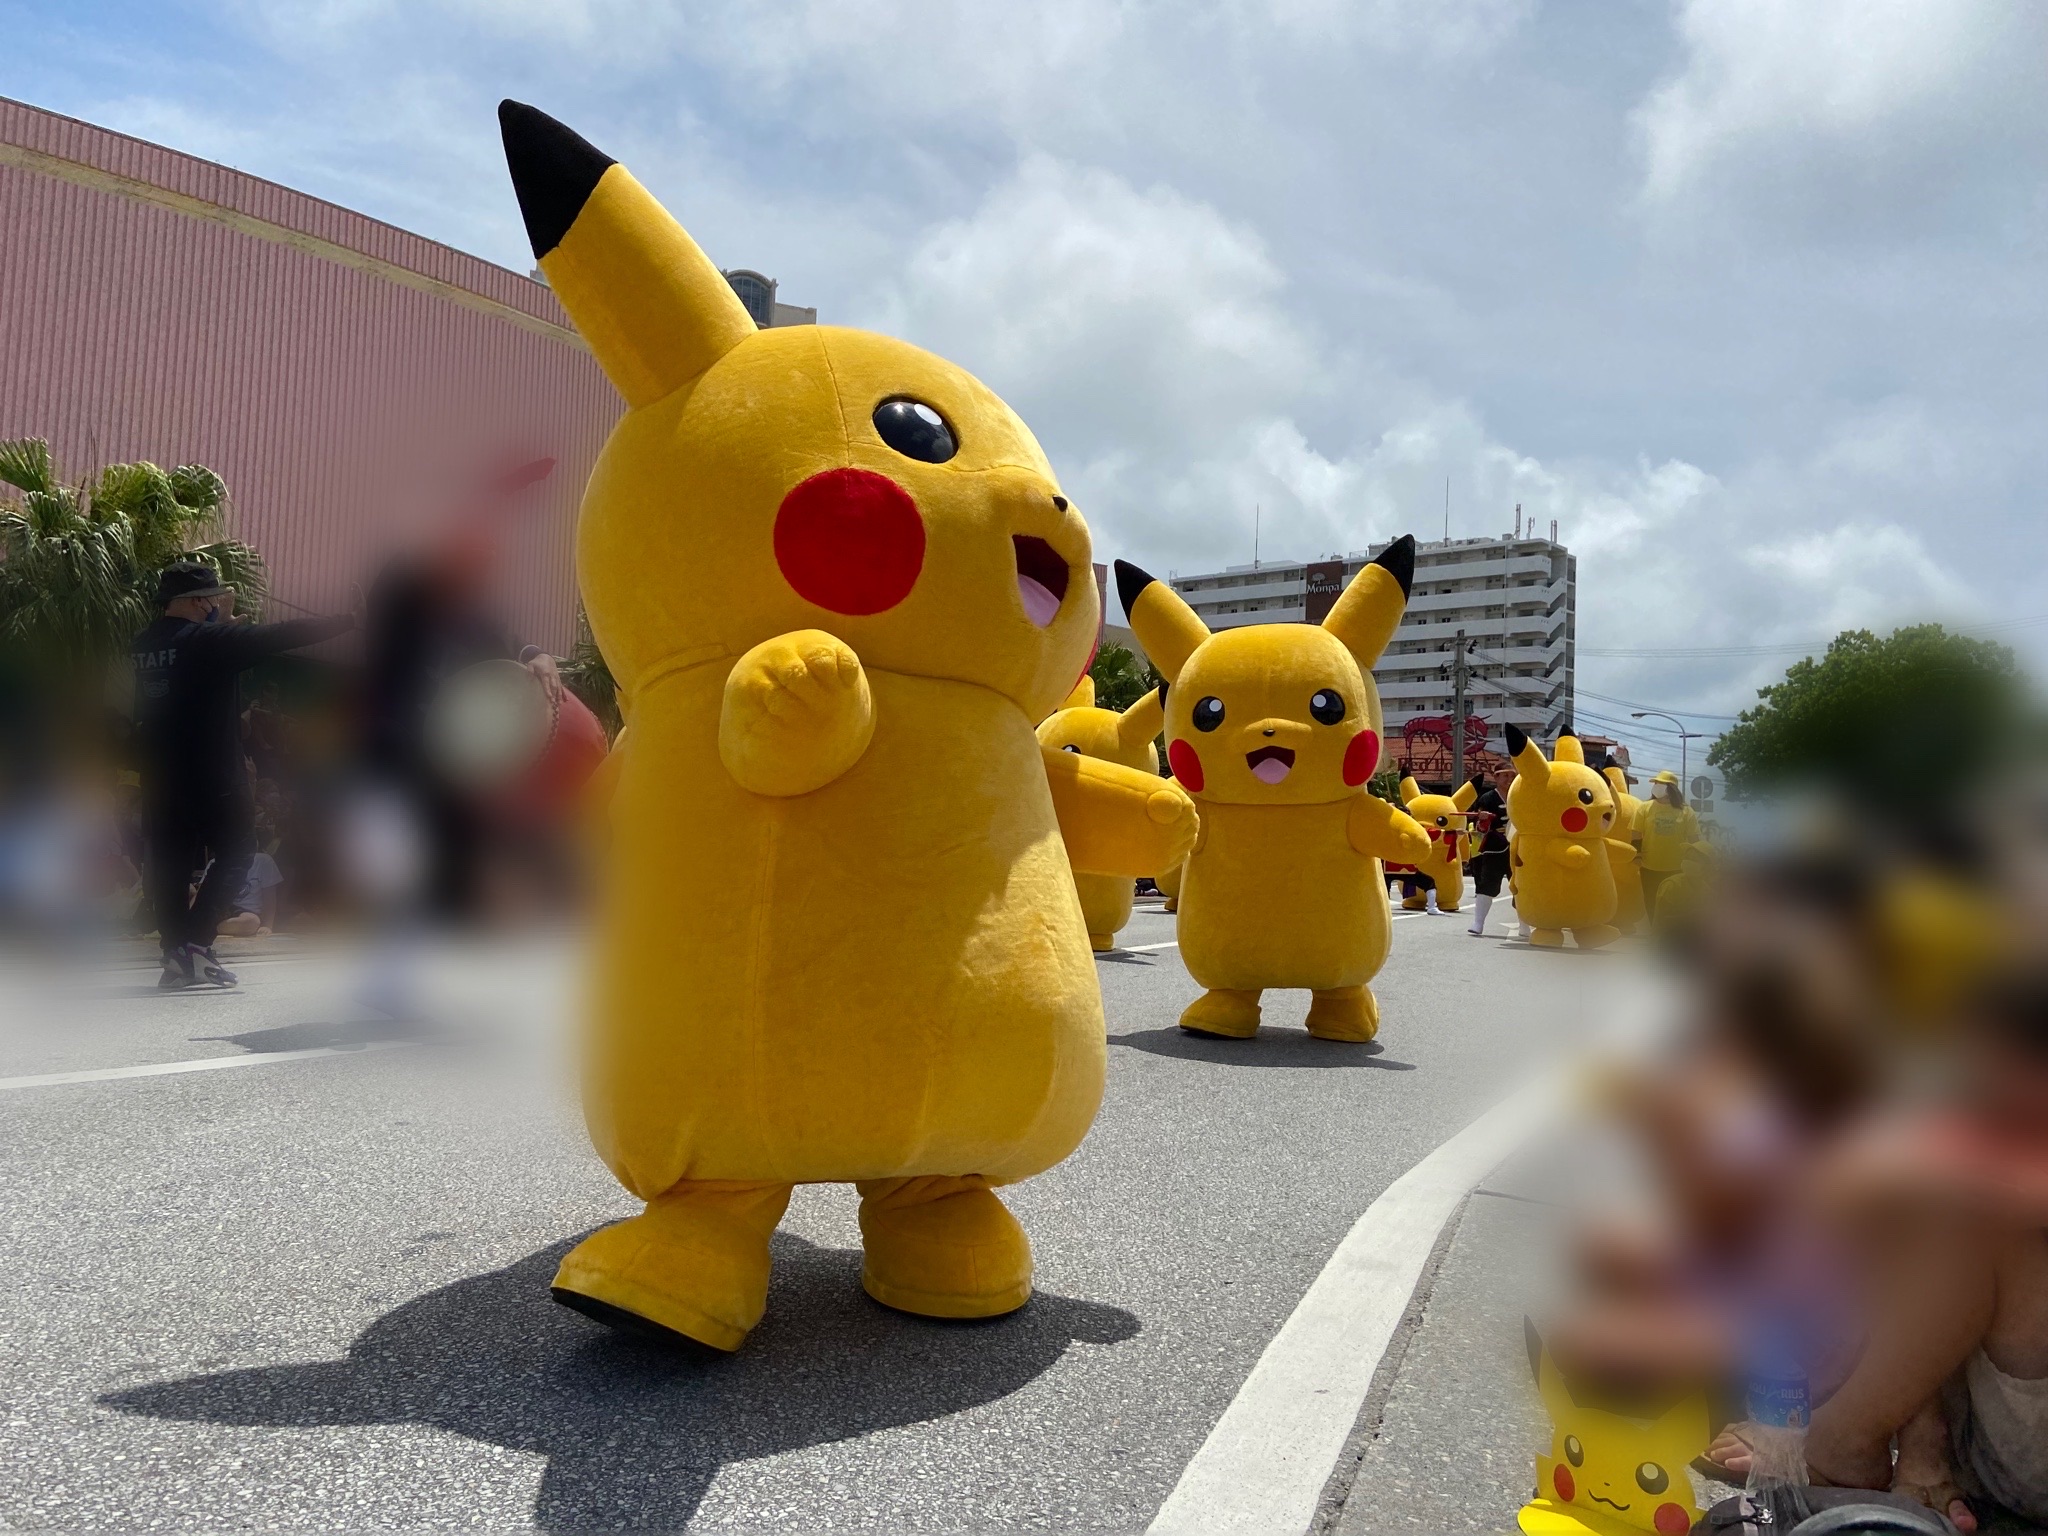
[{"x": 1684, "y": 767}]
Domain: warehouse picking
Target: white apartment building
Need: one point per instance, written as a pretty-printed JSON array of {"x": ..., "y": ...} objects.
[{"x": 1515, "y": 598}]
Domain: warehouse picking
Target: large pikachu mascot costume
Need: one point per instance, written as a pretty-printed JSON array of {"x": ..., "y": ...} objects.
[
  {"x": 1622, "y": 854},
  {"x": 1563, "y": 815},
  {"x": 1274, "y": 729},
  {"x": 1442, "y": 819},
  {"x": 1078, "y": 726},
  {"x": 837, "y": 583}
]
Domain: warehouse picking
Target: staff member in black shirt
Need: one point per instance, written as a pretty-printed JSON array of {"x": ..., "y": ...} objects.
[
  {"x": 1490, "y": 864},
  {"x": 196, "y": 798}
]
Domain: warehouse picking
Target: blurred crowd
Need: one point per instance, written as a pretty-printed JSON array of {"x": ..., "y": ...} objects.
[{"x": 1847, "y": 1145}]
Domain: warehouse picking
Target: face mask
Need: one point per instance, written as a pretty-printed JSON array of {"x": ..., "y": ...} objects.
[{"x": 212, "y": 613}]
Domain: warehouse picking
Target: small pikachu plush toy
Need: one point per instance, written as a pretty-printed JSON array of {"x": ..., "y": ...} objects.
[
  {"x": 1077, "y": 726},
  {"x": 1622, "y": 854},
  {"x": 1452, "y": 842},
  {"x": 1612, "y": 1474},
  {"x": 839, "y": 942},
  {"x": 1563, "y": 814},
  {"x": 1274, "y": 729}
]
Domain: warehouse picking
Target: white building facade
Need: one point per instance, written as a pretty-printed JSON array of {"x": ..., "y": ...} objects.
[{"x": 1515, "y": 599}]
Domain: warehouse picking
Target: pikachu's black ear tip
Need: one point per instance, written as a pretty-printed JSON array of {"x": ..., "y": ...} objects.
[
  {"x": 1398, "y": 561},
  {"x": 1130, "y": 581},
  {"x": 1515, "y": 738},
  {"x": 554, "y": 171}
]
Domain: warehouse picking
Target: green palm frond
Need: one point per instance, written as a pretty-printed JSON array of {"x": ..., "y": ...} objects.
[
  {"x": 25, "y": 464},
  {"x": 199, "y": 488},
  {"x": 240, "y": 567}
]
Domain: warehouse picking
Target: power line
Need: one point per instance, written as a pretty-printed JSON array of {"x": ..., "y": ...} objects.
[{"x": 1690, "y": 714}]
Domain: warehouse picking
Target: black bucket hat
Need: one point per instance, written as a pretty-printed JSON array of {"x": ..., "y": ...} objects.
[{"x": 188, "y": 578}]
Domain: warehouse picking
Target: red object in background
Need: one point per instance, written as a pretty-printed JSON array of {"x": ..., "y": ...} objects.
[{"x": 548, "y": 790}]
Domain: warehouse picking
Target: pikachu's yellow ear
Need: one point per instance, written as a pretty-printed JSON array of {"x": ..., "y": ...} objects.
[
  {"x": 1143, "y": 720},
  {"x": 1464, "y": 795},
  {"x": 1616, "y": 780},
  {"x": 652, "y": 306},
  {"x": 1529, "y": 761},
  {"x": 1083, "y": 696},
  {"x": 1569, "y": 750},
  {"x": 1410, "y": 790},
  {"x": 1165, "y": 626},
  {"x": 1365, "y": 617}
]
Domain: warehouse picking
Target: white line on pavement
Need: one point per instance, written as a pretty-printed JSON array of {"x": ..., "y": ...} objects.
[
  {"x": 203, "y": 1064},
  {"x": 1264, "y": 1465}
]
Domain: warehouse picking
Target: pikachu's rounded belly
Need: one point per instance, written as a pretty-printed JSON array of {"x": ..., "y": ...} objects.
[
  {"x": 1547, "y": 896},
  {"x": 1276, "y": 896},
  {"x": 886, "y": 977}
]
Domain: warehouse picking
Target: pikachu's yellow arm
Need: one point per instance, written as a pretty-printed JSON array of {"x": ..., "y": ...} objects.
[
  {"x": 1568, "y": 855},
  {"x": 1383, "y": 831},
  {"x": 1117, "y": 820},
  {"x": 797, "y": 714}
]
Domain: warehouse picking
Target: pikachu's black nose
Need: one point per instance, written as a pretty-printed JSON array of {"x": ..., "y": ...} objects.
[
  {"x": 1060, "y": 502},
  {"x": 1272, "y": 733}
]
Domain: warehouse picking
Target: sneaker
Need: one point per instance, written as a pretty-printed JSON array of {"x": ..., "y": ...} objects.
[
  {"x": 209, "y": 971},
  {"x": 177, "y": 974}
]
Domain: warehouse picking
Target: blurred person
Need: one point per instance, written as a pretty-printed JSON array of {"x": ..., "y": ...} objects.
[
  {"x": 256, "y": 904},
  {"x": 264, "y": 730},
  {"x": 1489, "y": 866},
  {"x": 1664, "y": 828},
  {"x": 196, "y": 797},
  {"x": 1680, "y": 896}
]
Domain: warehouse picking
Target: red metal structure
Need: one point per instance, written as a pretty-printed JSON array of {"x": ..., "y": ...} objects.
[
  {"x": 1426, "y": 745},
  {"x": 341, "y": 375}
]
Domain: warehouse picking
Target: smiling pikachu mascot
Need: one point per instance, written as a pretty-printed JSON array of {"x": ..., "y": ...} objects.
[
  {"x": 1442, "y": 819},
  {"x": 1077, "y": 726},
  {"x": 1563, "y": 815},
  {"x": 1623, "y": 854},
  {"x": 837, "y": 583},
  {"x": 1274, "y": 729}
]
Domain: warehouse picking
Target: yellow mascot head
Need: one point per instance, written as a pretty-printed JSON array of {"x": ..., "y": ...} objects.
[
  {"x": 804, "y": 477},
  {"x": 1558, "y": 796},
  {"x": 1078, "y": 726},
  {"x": 1441, "y": 816},
  {"x": 1273, "y": 714}
]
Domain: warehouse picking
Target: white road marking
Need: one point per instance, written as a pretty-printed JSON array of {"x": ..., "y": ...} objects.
[
  {"x": 202, "y": 1064},
  {"x": 1264, "y": 1465},
  {"x": 1140, "y": 949}
]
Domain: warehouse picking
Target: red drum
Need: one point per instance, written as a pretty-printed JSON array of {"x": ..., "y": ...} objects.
[{"x": 492, "y": 729}]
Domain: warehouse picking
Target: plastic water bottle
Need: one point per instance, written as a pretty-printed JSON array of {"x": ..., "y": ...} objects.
[{"x": 1780, "y": 1407}]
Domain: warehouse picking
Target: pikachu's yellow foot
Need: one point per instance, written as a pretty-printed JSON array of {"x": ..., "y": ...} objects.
[
  {"x": 1593, "y": 938},
  {"x": 1344, "y": 1013},
  {"x": 1412, "y": 903},
  {"x": 942, "y": 1247},
  {"x": 1230, "y": 1015},
  {"x": 1102, "y": 943},
  {"x": 1547, "y": 938},
  {"x": 1172, "y": 904},
  {"x": 694, "y": 1263}
]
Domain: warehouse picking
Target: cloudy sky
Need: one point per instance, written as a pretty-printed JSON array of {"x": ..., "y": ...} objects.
[{"x": 1747, "y": 294}]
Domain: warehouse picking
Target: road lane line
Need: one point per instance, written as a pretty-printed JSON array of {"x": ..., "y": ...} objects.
[
  {"x": 202, "y": 1064},
  {"x": 1264, "y": 1465}
]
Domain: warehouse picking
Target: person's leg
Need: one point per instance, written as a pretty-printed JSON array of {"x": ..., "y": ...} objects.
[
  {"x": 229, "y": 828},
  {"x": 1924, "y": 1470},
  {"x": 170, "y": 851},
  {"x": 241, "y": 925}
]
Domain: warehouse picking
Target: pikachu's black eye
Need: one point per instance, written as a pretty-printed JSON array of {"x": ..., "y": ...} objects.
[
  {"x": 1443, "y": 821},
  {"x": 1327, "y": 706},
  {"x": 915, "y": 430},
  {"x": 1070, "y": 747},
  {"x": 1208, "y": 714},
  {"x": 1585, "y": 797},
  {"x": 1652, "y": 1478},
  {"x": 1574, "y": 1452}
]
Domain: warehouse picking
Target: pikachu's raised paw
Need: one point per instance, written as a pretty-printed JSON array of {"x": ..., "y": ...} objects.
[
  {"x": 1174, "y": 810},
  {"x": 797, "y": 714}
]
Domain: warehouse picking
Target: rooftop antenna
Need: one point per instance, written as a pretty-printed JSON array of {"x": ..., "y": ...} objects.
[
  {"x": 1257, "y": 510},
  {"x": 1447, "y": 509},
  {"x": 1518, "y": 519}
]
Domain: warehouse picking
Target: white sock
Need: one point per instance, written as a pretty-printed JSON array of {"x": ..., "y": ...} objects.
[
  {"x": 1479, "y": 906},
  {"x": 1430, "y": 905}
]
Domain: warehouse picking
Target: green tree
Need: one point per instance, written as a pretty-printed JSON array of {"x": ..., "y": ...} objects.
[
  {"x": 1120, "y": 678},
  {"x": 1892, "y": 720},
  {"x": 586, "y": 674},
  {"x": 79, "y": 563}
]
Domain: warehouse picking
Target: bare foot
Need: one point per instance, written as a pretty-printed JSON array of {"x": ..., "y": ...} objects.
[
  {"x": 1924, "y": 1471},
  {"x": 1732, "y": 1453}
]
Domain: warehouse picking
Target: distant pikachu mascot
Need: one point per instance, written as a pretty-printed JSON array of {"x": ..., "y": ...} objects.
[
  {"x": 1126, "y": 738},
  {"x": 1169, "y": 887},
  {"x": 1623, "y": 855},
  {"x": 1563, "y": 817},
  {"x": 1452, "y": 842},
  {"x": 1274, "y": 729},
  {"x": 1610, "y": 1474},
  {"x": 837, "y": 583}
]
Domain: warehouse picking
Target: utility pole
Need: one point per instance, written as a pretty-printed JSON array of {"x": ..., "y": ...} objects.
[{"x": 1458, "y": 714}]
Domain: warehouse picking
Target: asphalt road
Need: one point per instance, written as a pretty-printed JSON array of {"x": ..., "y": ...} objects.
[{"x": 312, "y": 1292}]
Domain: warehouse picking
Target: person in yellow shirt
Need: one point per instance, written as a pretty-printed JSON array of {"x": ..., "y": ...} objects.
[{"x": 1664, "y": 828}]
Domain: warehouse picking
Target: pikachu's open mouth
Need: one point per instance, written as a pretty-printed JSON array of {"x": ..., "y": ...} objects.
[
  {"x": 1041, "y": 578},
  {"x": 1270, "y": 765}
]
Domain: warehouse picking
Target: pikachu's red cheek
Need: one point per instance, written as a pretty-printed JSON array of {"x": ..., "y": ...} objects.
[
  {"x": 1187, "y": 767},
  {"x": 1361, "y": 757},
  {"x": 1573, "y": 820},
  {"x": 850, "y": 541},
  {"x": 1561, "y": 1480},
  {"x": 1672, "y": 1519}
]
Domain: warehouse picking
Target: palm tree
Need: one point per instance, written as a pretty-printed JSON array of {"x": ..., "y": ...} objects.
[{"x": 78, "y": 563}]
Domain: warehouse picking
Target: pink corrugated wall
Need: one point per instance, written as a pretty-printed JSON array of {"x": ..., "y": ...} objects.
[{"x": 338, "y": 404}]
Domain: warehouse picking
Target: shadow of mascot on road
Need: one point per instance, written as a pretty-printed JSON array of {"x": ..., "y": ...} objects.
[{"x": 635, "y": 1431}]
